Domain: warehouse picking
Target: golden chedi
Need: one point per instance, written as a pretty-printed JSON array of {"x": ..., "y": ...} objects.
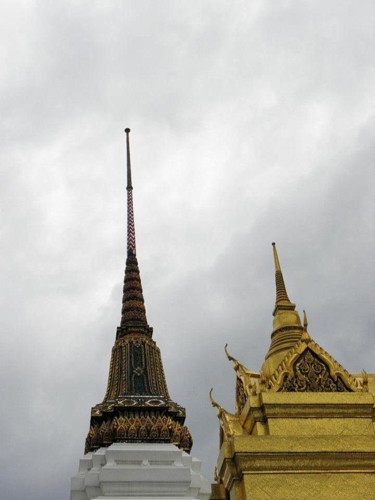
[{"x": 303, "y": 426}]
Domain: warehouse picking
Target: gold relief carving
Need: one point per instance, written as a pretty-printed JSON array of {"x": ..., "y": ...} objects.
[
  {"x": 309, "y": 368},
  {"x": 312, "y": 375},
  {"x": 240, "y": 396}
]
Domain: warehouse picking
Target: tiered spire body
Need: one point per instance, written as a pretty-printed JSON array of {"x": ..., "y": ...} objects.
[
  {"x": 133, "y": 313},
  {"x": 137, "y": 406},
  {"x": 287, "y": 328}
]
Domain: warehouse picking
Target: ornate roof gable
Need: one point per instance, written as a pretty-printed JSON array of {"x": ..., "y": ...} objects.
[{"x": 309, "y": 368}]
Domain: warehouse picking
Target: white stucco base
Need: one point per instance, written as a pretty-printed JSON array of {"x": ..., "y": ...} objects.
[{"x": 125, "y": 471}]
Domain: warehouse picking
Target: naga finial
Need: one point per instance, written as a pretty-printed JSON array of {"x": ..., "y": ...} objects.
[
  {"x": 214, "y": 403},
  {"x": 231, "y": 358}
]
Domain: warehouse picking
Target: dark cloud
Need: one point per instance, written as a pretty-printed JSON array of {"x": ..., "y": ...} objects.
[{"x": 250, "y": 123}]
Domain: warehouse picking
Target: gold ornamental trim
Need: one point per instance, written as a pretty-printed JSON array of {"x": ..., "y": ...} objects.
[{"x": 288, "y": 370}]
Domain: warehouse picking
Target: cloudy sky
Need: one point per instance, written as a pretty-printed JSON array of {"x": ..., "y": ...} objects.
[{"x": 251, "y": 122}]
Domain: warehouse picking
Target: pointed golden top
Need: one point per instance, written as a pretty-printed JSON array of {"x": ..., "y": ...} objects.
[
  {"x": 276, "y": 257},
  {"x": 305, "y": 322},
  {"x": 281, "y": 294},
  {"x": 287, "y": 328}
]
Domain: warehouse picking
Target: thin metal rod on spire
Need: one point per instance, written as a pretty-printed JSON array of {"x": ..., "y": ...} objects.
[
  {"x": 129, "y": 189},
  {"x": 128, "y": 165}
]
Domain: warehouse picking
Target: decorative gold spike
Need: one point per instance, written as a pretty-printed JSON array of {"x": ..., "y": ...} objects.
[
  {"x": 364, "y": 381},
  {"x": 276, "y": 257},
  {"x": 231, "y": 358},
  {"x": 281, "y": 294},
  {"x": 305, "y": 335},
  {"x": 229, "y": 423},
  {"x": 305, "y": 323},
  {"x": 287, "y": 327},
  {"x": 239, "y": 367},
  {"x": 213, "y": 402}
]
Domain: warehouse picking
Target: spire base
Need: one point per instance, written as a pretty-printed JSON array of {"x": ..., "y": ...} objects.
[
  {"x": 138, "y": 418},
  {"x": 133, "y": 328}
]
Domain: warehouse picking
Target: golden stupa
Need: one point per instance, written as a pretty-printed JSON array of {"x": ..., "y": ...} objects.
[{"x": 303, "y": 427}]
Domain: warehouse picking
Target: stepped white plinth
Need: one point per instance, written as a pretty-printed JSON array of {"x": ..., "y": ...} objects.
[{"x": 140, "y": 471}]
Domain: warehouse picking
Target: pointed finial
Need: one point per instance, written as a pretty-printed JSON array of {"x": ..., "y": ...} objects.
[
  {"x": 276, "y": 257},
  {"x": 128, "y": 165},
  {"x": 364, "y": 381},
  {"x": 213, "y": 402},
  {"x": 305, "y": 322},
  {"x": 133, "y": 309},
  {"x": 281, "y": 295},
  {"x": 287, "y": 327},
  {"x": 129, "y": 188},
  {"x": 305, "y": 337},
  {"x": 231, "y": 358}
]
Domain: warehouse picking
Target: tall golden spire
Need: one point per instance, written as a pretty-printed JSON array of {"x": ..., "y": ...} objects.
[
  {"x": 287, "y": 328},
  {"x": 137, "y": 406},
  {"x": 281, "y": 294}
]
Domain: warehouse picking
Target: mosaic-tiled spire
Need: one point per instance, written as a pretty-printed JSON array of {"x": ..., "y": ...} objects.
[
  {"x": 129, "y": 189},
  {"x": 133, "y": 313},
  {"x": 137, "y": 406}
]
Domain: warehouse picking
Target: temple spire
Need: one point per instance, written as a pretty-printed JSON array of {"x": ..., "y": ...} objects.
[
  {"x": 133, "y": 313},
  {"x": 281, "y": 293},
  {"x": 287, "y": 328},
  {"x": 129, "y": 189},
  {"x": 136, "y": 407}
]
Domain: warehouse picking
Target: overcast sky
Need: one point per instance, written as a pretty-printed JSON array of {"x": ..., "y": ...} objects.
[{"x": 251, "y": 122}]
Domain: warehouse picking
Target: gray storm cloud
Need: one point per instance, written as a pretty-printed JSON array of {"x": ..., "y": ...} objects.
[{"x": 250, "y": 123}]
